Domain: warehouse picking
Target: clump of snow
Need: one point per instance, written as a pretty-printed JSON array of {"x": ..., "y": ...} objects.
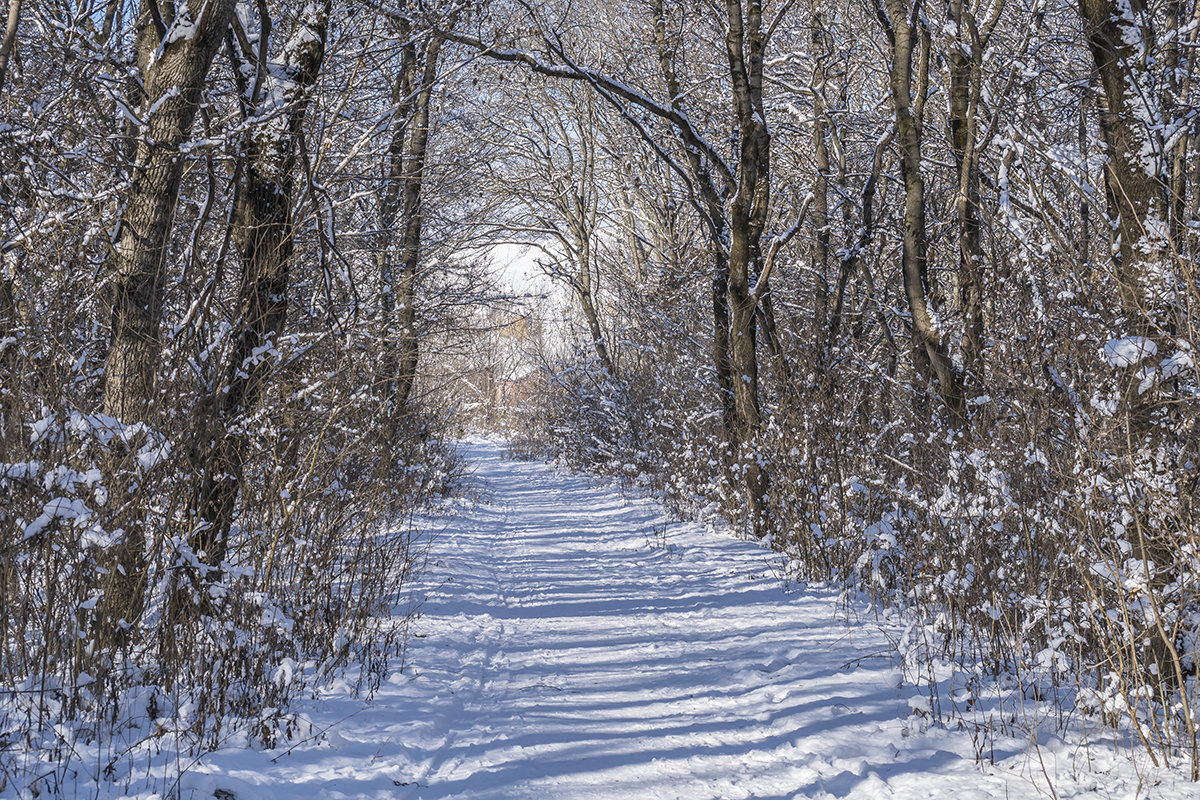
[
  {"x": 1176, "y": 363},
  {"x": 1128, "y": 351}
]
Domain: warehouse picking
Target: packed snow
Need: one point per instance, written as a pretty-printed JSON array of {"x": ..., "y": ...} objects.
[{"x": 574, "y": 642}]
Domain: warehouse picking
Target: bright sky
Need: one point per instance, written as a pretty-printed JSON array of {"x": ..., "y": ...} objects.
[{"x": 515, "y": 265}]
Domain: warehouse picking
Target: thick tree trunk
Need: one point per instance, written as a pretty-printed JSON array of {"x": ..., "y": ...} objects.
[
  {"x": 1085, "y": 207},
  {"x": 173, "y": 88},
  {"x": 1131, "y": 124},
  {"x": 743, "y": 348}
]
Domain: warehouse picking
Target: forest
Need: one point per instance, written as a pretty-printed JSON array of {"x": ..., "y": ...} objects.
[{"x": 906, "y": 291}]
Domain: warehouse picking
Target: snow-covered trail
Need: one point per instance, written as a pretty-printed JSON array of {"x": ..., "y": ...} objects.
[{"x": 562, "y": 652}]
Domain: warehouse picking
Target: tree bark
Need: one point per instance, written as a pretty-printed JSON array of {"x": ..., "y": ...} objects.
[
  {"x": 402, "y": 200},
  {"x": 819, "y": 259},
  {"x": 1179, "y": 83},
  {"x": 745, "y": 43},
  {"x": 10, "y": 418},
  {"x": 1131, "y": 128},
  {"x": 1136, "y": 184},
  {"x": 711, "y": 209},
  {"x": 964, "y": 66},
  {"x": 174, "y": 83},
  {"x": 10, "y": 380},
  {"x": 10, "y": 37}
]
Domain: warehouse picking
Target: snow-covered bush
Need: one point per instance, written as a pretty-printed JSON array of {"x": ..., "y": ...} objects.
[{"x": 127, "y": 673}]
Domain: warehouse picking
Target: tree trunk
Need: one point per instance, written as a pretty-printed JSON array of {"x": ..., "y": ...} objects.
[
  {"x": 582, "y": 212},
  {"x": 1178, "y": 85},
  {"x": 745, "y": 42},
  {"x": 722, "y": 363},
  {"x": 10, "y": 37},
  {"x": 1131, "y": 125},
  {"x": 404, "y": 97},
  {"x": 819, "y": 260},
  {"x": 853, "y": 254},
  {"x": 711, "y": 209},
  {"x": 963, "y": 62},
  {"x": 174, "y": 85},
  {"x": 1131, "y": 128},
  {"x": 637, "y": 246},
  {"x": 583, "y": 291},
  {"x": 401, "y": 198},
  {"x": 10, "y": 380},
  {"x": 173, "y": 89},
  {"x": 264, "y": 234},
  {"x": 931, "y": 360},
  {"x": 10, "y": 417},
  {"x": 1085, "y": 207}
]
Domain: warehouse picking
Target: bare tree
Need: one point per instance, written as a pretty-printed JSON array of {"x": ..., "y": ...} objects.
[
  {"x": 908, "y": 38},
  {"x": 173, "y": 56},
  {"x": 555, "y": 177},
  {"x": 400, "y": 200},
  {"x": 732, "y": 197},
  {"x": 274, "y": 98},
  {"x": 965, "y": 64}
]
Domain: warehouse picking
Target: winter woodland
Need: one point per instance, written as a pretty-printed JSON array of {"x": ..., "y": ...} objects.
[{"x": 903, "y": 292}]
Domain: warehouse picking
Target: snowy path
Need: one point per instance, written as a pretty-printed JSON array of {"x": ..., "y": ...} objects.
[{"x": 561, "y": 654}]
